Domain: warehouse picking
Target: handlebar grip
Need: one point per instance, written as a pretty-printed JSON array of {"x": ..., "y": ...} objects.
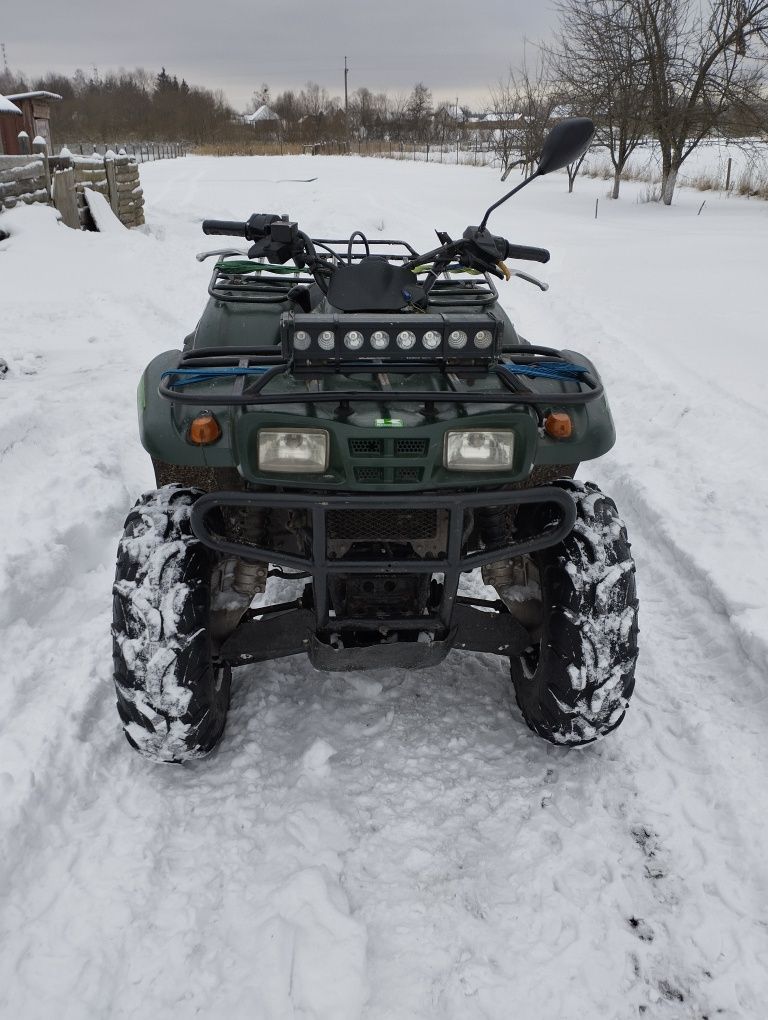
[
  {"x": 229, "y": 227},
  {"x": 526, "y": 252}
]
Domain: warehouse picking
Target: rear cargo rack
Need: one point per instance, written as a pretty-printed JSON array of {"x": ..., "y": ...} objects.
[{"x": 268, "y": 286}]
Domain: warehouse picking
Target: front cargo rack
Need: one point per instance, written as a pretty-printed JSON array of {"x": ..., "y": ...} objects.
[{"x": 197, "y": 379}]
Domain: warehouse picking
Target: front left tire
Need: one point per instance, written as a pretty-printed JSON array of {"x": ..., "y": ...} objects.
[{"x": 172, "y": 697}]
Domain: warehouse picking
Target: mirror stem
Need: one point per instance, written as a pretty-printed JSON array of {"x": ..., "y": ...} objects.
[{"x": 509, "y": 194}]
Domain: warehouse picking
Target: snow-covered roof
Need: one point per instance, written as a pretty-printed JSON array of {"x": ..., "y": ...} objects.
[
  {"x": 35, "y": 95},
  {"x": 6, "y": 106},
  {"x": 263, "y": 113},
  {"x": 498, "y": 118}
]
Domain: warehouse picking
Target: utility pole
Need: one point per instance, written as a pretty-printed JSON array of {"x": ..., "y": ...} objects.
[{"x": 346, "y": 102}]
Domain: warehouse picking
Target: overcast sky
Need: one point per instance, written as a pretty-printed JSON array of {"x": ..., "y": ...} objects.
[{"x": 455, "y": 47}]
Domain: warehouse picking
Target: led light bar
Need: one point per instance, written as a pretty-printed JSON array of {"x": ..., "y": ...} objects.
[{"x": 312, "y": 342}]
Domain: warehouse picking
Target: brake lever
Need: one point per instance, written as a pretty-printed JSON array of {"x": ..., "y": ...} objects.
[
  {"x": 203, "y": 255},
  {"x": 529, "y": 279}
]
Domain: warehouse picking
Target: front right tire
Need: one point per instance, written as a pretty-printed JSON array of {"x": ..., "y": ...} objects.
[{"x": 574, "y": 684}]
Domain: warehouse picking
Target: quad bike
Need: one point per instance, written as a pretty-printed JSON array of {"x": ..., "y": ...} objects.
[{"x": 365, "y": 420}]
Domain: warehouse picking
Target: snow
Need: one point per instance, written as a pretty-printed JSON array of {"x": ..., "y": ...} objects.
[
  {"x": 35, "y": 95},
  {"x": 102, "y": 212},
  {"x": 707, "y": 163},
  {"x": 6, "y": 106},
  {"x": 391, "y": 845}
]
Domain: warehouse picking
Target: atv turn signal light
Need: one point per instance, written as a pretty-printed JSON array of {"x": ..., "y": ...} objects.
[
  {"x": 203, "y": 430},
  {"x": 558, "y": 424}
]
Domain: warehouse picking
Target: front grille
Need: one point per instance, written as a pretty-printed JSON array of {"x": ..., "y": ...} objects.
[
  {"x": 382, "y": 525},
  {"x": 409, "y": 474},
  {"x": 369, "y": 474},
  {"x": 366, "y": 447},
  {"x": 411, "y": 447}
]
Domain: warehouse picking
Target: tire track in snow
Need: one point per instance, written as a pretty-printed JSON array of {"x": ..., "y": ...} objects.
[{"x": 652, "y": 453}]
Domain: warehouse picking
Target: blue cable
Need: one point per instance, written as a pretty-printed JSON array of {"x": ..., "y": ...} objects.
[
  {"x": 563, "y": 371},
  {"x": 199, "y": 375}
]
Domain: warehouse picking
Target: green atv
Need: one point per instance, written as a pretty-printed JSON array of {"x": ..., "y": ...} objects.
[{"x": 364, "y": 421}]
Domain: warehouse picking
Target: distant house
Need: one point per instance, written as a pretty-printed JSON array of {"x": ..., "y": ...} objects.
[
  {"x": 10, "y": 125},
  {"x": 261, "y": 116},
  {"x": 35, "y": 109}
]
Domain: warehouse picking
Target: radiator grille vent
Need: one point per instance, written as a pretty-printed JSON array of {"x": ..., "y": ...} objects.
[
  {"x": 409, "y": 474},
  {"x": 411, "y": 447},
  {"x": 369, "y": 474},
  {"x": 382, "y": 525},
  {"x": 366, "y": 447}
]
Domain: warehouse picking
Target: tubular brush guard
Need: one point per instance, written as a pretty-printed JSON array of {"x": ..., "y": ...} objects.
[{"x": 456, "y": 622}]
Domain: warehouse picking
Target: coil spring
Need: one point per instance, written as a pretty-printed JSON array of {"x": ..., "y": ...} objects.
[
  {"x": 250, "y": 578},
  {"x": 492, "y": 526}
]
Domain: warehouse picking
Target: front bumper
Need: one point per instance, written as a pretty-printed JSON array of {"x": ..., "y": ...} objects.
[{"x": 444, "y": 626}]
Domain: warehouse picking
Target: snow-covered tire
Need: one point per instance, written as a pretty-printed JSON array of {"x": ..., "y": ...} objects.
[
  {"x": 574, "y": 685},
  {"x": 171, "y": 697}
]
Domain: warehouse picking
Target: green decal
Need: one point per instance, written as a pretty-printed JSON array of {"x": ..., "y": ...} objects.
[{"x": 389, "y": 423}]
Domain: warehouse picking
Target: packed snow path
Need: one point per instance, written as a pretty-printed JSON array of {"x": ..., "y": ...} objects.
[{"x": 390, "y": 845}]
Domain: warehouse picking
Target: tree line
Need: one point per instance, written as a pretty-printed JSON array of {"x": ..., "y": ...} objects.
[
  {"x": 128, "y": 106},
  {"x": 675, "y": 71}
]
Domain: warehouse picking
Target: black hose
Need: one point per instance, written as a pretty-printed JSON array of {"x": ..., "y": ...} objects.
[{"x": 352, "y": 236}]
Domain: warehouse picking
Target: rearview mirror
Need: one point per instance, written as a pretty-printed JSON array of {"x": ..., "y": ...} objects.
[{"x": 565, "y": 143}]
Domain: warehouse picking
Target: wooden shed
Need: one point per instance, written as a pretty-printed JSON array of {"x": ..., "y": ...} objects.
[
  {"x": 10, "y": 125},
  {"x": 36, "y": 113}
]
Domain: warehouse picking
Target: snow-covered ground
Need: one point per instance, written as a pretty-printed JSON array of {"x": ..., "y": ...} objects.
[
  {"x": 391, "y": 846},
  {"x": 707, "y": 163}
]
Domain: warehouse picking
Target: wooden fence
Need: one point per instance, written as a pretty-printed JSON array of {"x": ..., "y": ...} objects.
[
  {"x": 23, "y": 179},
  {"x": 62, "y": 181},
  {"x": 142, "y": 152}
]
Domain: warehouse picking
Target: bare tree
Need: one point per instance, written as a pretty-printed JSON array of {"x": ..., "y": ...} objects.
[
  {"x": 599, "y": 62},
  {"x": 503, "y": 138},
  {"x": 260, "y": 97},
  {"x": 419, "y": 111},
  {"x": 535, "y": 100},
  {"x": 704, "y": 61}
]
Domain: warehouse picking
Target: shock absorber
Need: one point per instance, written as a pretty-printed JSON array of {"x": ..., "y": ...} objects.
[
  {"x": 251, "y": 578},
  {"x": 516, "y": 581},
  {"x": 492, "y": 526}
]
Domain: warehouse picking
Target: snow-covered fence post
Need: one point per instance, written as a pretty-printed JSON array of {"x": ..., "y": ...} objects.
[
  {"x": 65, "y": 196},
  {"x": 24, "y": 147},
  {"x": 128, "y": 200},
  {"x": 40, "y": 148},
  {"x": 109, "y": 168}
]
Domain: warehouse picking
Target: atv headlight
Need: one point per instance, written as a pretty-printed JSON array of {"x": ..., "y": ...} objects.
[
  {"x": 478, "y": 451},
  {"x": 300, "y": 451}
]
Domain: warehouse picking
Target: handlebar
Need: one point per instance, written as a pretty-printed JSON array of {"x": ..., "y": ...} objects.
[
  {"x": 231, "y": 228},
  {"x": 522, "y": 251},
  {"x": 279, "y": 239}
]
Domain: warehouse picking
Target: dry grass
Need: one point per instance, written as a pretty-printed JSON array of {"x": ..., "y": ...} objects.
[
  {"x": 249, "y": 148},
  {"x": 752, "y": 184}
]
